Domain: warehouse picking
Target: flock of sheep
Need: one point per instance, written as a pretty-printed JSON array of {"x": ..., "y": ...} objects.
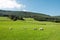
[{"x": 41, "y": 28}]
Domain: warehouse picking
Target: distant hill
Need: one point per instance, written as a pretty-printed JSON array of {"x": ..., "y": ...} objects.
[{"x": 23, "y": 14}]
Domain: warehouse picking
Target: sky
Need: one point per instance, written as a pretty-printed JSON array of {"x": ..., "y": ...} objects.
[{"x": 49, "y": 7}]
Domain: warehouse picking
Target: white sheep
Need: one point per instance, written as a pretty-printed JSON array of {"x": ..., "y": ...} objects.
[
  {"x": 10, "y": 28},
  {"x": 35, "y": 28},
  {"x": 41, "y": 28}
]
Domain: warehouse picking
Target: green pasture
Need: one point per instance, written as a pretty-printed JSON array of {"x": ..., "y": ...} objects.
[{"x": 24, "y": 30}]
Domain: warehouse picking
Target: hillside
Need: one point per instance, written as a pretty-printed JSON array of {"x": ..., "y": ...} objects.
[
  {"x": 21, "y": 13},
  {"x": 14, "y": 15}
]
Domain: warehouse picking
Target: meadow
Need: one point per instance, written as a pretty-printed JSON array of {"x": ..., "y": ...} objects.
[{"x": 24, "y": 30}]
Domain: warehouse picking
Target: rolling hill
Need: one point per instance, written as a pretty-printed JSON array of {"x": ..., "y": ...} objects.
[{"x": 14, "y": 15}]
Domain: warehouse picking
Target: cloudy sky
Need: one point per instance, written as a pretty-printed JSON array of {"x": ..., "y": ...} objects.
[
  {"x": 49, "y": 7},
  {"x": 11, "y": 5}
]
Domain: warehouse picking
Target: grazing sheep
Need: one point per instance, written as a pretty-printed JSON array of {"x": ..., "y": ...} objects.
[
  {"x": 41, "y": 28},
  {"x": 35, "y": 28},
  {"x": 10, "y": 28}
]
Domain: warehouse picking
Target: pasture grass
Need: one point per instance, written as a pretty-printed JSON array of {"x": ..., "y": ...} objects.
[{"x": 24, "y": 30}]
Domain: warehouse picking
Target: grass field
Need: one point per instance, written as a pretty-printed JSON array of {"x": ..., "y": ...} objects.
[{"x": 24, "y": 30}]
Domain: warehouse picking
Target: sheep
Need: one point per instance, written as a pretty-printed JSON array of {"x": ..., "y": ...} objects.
[
  {"x": 35, "y": 28},
  {"x": 25, "y": 27},
  {"x": 41, "y": 28},
  {"x": 10, "y": 28}
]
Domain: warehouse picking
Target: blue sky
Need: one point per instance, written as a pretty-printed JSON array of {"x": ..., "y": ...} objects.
[{"x": 49, "y": 7}]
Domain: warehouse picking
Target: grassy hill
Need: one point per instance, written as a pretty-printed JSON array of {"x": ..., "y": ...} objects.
[
  {"x": 21, "y": 13},
  {"x": 24, "y": 30},
  {"x": 14, "y": 15}
]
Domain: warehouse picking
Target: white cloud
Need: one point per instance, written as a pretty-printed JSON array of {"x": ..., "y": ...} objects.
[
  {"x": 24, "y": 10},
  {"x": 10, "y": 5}
]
